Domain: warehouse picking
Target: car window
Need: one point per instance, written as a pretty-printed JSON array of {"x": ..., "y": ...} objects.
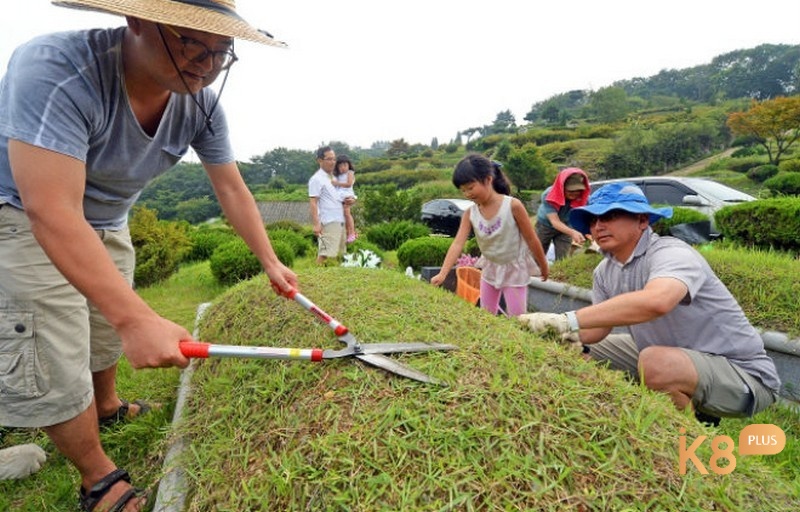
[
  {"x": 721, "y": 192},
  {"x": 666, "y": 193}
]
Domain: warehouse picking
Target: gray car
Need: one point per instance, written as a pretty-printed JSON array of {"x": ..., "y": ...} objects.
[{"x": 701, "y": 194}]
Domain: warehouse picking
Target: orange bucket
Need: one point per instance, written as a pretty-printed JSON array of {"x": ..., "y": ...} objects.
[{"x": 468, "y": 284}]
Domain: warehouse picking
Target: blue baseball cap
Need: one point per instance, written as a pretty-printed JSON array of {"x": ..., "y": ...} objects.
[{"x": 620, "y": 195}]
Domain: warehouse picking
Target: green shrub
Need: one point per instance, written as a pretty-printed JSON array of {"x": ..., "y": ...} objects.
[
  {"x": 284, "y": 252},
  {"x": 766, "y": 223},
  {"x": 423, "y": 252},
  {"x": 386, "y": 203},
  {"x": 287, "y": 224},
  {"x": 743, "y": 164},
  {"x": 402, "y": 179},
  {"x": 471, "y": 247},
  {"x": 680, "y": 215},
  {"x": 746, "y": 151},
  {"x": 160, "y": 246},
  {"x": 204, "y": 241},
  {"x": 300, "y": 244},
  {"x": 786, "y": 184},
  {"x": 233, "y": 261},
  {"x": 762, "y": 173},
  {"x": 790, "y": 165},
  {"x": 391, "y": 235}
]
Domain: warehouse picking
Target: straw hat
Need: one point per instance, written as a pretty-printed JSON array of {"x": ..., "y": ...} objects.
[{"x": 213, "y": 16}]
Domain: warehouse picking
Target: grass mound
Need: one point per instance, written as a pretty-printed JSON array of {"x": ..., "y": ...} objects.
[{"x": 523, "y": 425}]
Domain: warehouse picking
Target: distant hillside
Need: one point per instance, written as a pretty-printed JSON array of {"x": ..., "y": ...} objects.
[{"x": 760, "y": 73}]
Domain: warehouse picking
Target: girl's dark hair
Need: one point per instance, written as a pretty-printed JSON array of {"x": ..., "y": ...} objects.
[
  {"x": 476, "y": 167},
  {"x": 340, "y": 160}
]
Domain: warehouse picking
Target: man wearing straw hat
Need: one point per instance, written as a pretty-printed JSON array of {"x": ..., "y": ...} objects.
[{"x": 87, "y": 119}]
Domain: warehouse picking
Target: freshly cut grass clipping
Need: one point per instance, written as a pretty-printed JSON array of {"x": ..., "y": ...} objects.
[{"x": 524, "y": 424}]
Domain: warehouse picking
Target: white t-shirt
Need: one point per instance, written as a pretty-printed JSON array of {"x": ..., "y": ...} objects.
[{"x": 329, "y": 204}]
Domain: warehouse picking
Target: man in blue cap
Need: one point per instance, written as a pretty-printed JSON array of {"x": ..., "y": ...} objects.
[{"x": 689, "y": 337}]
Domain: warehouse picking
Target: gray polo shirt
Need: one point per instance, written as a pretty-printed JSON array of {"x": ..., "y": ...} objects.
[
  {"x": 707, "y": 320},
  {"x": 66, "y": 92}
]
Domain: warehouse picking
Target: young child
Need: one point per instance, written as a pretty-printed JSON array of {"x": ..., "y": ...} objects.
[
  {"x": 510, "y": 249},
  {"x": 344, "y": 177}
]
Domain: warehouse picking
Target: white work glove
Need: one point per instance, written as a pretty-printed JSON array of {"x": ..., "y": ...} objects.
[
  {"x": 20, "y": 461},
  {"x": 573, "y": 339},
  {"x": 540, "y": 322}
]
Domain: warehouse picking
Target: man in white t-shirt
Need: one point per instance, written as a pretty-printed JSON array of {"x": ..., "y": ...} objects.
[{"x": 327, "y": 210}]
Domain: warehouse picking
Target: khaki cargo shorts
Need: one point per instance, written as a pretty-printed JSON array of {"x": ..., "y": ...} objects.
[
  {"x": 332, "y": 241},
  {"x": 51, "y": 338},
  {"x": 723, "y": 389}
]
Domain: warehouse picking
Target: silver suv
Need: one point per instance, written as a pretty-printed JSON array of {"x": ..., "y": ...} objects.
[{"x": 701, "y": 194}]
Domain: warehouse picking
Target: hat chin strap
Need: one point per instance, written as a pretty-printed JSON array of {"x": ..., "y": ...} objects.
[{"x": 207, "y": 115}]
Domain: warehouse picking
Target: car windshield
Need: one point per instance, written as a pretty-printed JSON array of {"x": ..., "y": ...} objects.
[{"x": 721, "y": 192}]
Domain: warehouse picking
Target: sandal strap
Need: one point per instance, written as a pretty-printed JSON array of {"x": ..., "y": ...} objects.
[
  {"x": 127, "y": 496},
  {"x": 118, "y": 415},
  {"x": 89, "y": 500}
]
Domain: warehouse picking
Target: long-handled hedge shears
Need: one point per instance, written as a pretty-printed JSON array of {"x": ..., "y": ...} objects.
[{"x": 371, "y": 353}]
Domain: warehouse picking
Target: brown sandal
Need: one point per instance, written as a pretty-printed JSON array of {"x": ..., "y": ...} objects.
[{"x": 90, "y": 500}]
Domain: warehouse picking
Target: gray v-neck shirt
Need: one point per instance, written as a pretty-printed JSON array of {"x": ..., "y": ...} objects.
[{"x": 66, "y": 92}]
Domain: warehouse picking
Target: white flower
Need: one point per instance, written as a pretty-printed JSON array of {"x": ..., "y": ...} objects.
[{"x": 363, "y": 258}]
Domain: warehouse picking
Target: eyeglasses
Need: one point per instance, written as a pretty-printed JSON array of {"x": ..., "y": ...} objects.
[
  {"x": 197, "y": 52},
  {"x": 607, "y": 217},
  {"x": 329, "y": 159}
]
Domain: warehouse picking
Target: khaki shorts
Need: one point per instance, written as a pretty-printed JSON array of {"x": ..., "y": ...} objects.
[
  {"x": 723, "y": 389},
  {"x": 51, "y": 338},
  {"x": 332, "y": 241}
]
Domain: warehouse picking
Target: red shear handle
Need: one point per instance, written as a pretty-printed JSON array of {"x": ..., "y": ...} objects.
[
  {"x": 301, "y": 299},
  {"x": 195, "y": 349}
]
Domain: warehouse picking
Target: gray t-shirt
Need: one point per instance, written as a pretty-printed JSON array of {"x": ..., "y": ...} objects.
[
  {"x": 708, "y": 320},
  {"x": 66, "y": 92}
]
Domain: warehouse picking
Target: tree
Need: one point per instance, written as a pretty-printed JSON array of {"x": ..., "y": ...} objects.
[
  {"x": 775, "y": 124},
  {"x": 610, "y": 104},
  {"x": 526, "y": 168},
  {"x": 398, "y": 147},
  {"x": 503, "y": 123}
]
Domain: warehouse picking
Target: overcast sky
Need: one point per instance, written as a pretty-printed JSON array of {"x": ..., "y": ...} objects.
[{"x": 360, "y": 71}]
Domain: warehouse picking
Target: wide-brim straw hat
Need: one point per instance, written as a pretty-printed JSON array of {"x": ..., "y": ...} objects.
[{"x": 213, "y": 16}]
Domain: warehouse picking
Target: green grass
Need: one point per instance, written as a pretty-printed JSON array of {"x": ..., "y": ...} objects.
[
  {"x": 524, "y": 424},
  {"x": 138, "y": 446}
]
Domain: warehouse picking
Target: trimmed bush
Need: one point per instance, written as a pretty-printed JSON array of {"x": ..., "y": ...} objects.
[
  {"x": 204, "y": 241},
  {"x": 300, "y": 245},
  {"x": 160, "y": 246},
  {"x": 786, "y": 184},
  {"x": 391, "y": 235},
  {"x": 790, "y": 165},
  {"x": 766, "y": 223},
  {"x": 744, "y": 164},
  {"x": 423, "y": 252},
  {"x": 680, "y": 215},
  {"x": 233, "y": 261},
  {"x": 762, "y": 173}
]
